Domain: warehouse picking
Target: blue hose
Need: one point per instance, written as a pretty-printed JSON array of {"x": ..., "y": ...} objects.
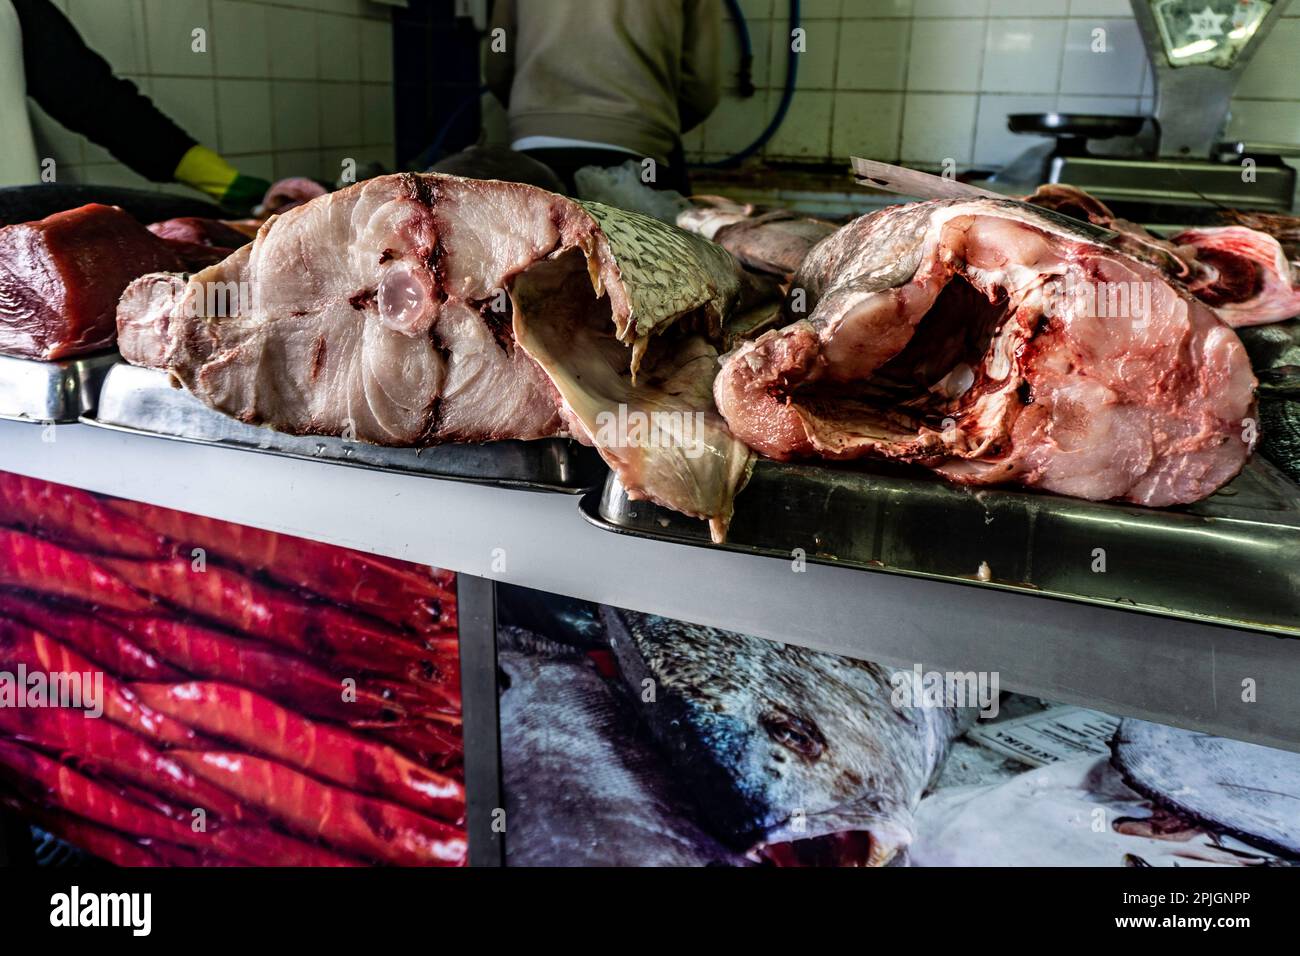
[
  {"x": 745, "y": 77},
  {"x": 787, "y": 94}
]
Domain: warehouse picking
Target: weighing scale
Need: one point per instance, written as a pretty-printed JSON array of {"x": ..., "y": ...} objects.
[{"x": 1182, "y": 170}]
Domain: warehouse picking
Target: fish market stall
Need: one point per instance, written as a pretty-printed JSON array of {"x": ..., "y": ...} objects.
[{"x": 538, "y": 485}]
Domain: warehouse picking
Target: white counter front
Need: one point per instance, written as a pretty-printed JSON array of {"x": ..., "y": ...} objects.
[{"x": 1174, "y": 671}]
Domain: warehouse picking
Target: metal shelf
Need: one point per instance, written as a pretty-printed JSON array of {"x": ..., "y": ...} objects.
[{"x": 1179, "y": 672}]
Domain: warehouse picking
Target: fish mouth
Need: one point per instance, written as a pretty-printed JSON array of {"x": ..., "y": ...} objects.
[
  {"x": 882, "y": 842},
  {"x": 847, "y": 848}
]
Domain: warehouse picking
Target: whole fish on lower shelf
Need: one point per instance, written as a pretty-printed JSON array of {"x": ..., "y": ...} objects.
[
  {"x": 1275, "y": 354},
  {"x": 1245, "y": 789},
  {"x": 582, "y": 785},
  {"x": 793, "y": 757}
]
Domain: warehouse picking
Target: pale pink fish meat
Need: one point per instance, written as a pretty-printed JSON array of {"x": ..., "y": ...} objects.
[
  {"x": 772, "y": 241},
  {"x": 1243, "y": 273},
  {"x": 417, "y": 309},
  {"x": 979, "y": 338}
]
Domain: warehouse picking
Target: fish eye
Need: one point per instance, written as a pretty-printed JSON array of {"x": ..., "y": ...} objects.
[{"x": 794, "y": 733}]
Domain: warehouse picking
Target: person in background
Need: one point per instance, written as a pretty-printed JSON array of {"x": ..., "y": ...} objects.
[
  {"x": 43, "y": 56},
  {"x": 598, "y": 82}
]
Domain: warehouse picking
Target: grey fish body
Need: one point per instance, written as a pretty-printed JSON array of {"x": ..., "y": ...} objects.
[
  {"x": 499, "y": 162},
  {"x": 1275, "y": 353},
  {"x": 582, "y": 787},
  {"x": 1245, "y": 789},
  {"x": 790, "y": 755},
  {"x": 1279, "y": 424}
]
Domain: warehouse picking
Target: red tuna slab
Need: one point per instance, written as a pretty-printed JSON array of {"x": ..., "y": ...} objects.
[{"x": 60, "y": 279}]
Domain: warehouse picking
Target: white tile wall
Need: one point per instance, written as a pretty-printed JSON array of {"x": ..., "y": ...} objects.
[
  {"x": 927, "y": 80},
  {"x": 1103, "y": 56},
  {"x": 1022, "y": 56},
  {"x": 278, "y": 87},
  {"x": 942, "y": 56},
  {"x": 869, "y": 124},
  {"x": 806, "y": 132},
  {"x": 918, "y": 80},
  {"x": 938, "y": 127},
  {"x": 873, "y": 54}
]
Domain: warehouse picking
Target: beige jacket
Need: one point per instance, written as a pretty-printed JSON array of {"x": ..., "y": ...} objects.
[
  {"x": 18, "y": 165},
  {"x": 632, "y": 73}
]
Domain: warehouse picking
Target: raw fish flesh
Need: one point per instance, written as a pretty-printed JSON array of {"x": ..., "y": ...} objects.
[
  {"x": 583, "y": 786},
  {"x": 417, "y": 309},
  {"x": 60, "y": 279},
  {"x": 995, "y": 342}
]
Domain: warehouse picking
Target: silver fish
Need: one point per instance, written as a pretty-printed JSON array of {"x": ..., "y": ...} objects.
[
  {"x": 793, "y": 757},
  {"x": 1248, "y": 790},
  {"x": 582, "y": 785},
  {"x": 773, "y": 241}
]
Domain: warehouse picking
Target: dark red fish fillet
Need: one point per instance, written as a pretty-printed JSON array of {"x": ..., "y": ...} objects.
[
  {"x": 116, "y": 752},
  {"x": 199, "y": 242},
  {"x": 90, "y": 635},
  {"x": 39, "y": 652},
  {"x": 61, "y": 277},
  {"x": 407, "y": 595}
]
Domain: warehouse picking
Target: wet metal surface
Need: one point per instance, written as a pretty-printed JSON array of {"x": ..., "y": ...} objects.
[
  {"x": 1232, "y": 559},
  {"x": 143, "y": 401},
  {"x": 51, "y": 391}
]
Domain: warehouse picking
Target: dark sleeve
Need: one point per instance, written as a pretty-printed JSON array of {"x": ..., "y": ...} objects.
[{"x": 76, "y": 86}]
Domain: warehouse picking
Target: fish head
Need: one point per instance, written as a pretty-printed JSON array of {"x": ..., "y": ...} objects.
[{"x": 793, "y": 757}]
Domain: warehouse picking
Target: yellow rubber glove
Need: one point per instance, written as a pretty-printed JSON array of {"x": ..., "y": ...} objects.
[{"x": 207, "y": 172}]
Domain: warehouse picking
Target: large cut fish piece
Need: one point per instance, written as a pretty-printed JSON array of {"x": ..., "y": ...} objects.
[
  {"x": 1242, "y": 272},
  {"x": 383, "y": 313},
  {"x": 996, "y": 342},
  {"x": 582, "y": 785},
  {"x": 792, "y": 756},
  {"x": 60, "y": 278}
]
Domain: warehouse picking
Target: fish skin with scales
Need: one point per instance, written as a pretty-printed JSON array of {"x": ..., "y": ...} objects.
[{"x": 792, "y": 756}]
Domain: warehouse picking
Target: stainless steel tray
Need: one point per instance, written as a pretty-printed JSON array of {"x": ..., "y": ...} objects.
[
  {"x": 143, "y": 401},
  {"x": 1232, "y": 559},
  {"x": 45, "y": 392}
]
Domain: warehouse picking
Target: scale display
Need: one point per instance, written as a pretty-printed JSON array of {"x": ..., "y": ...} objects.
[{"x": 1207, "y": 32}]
